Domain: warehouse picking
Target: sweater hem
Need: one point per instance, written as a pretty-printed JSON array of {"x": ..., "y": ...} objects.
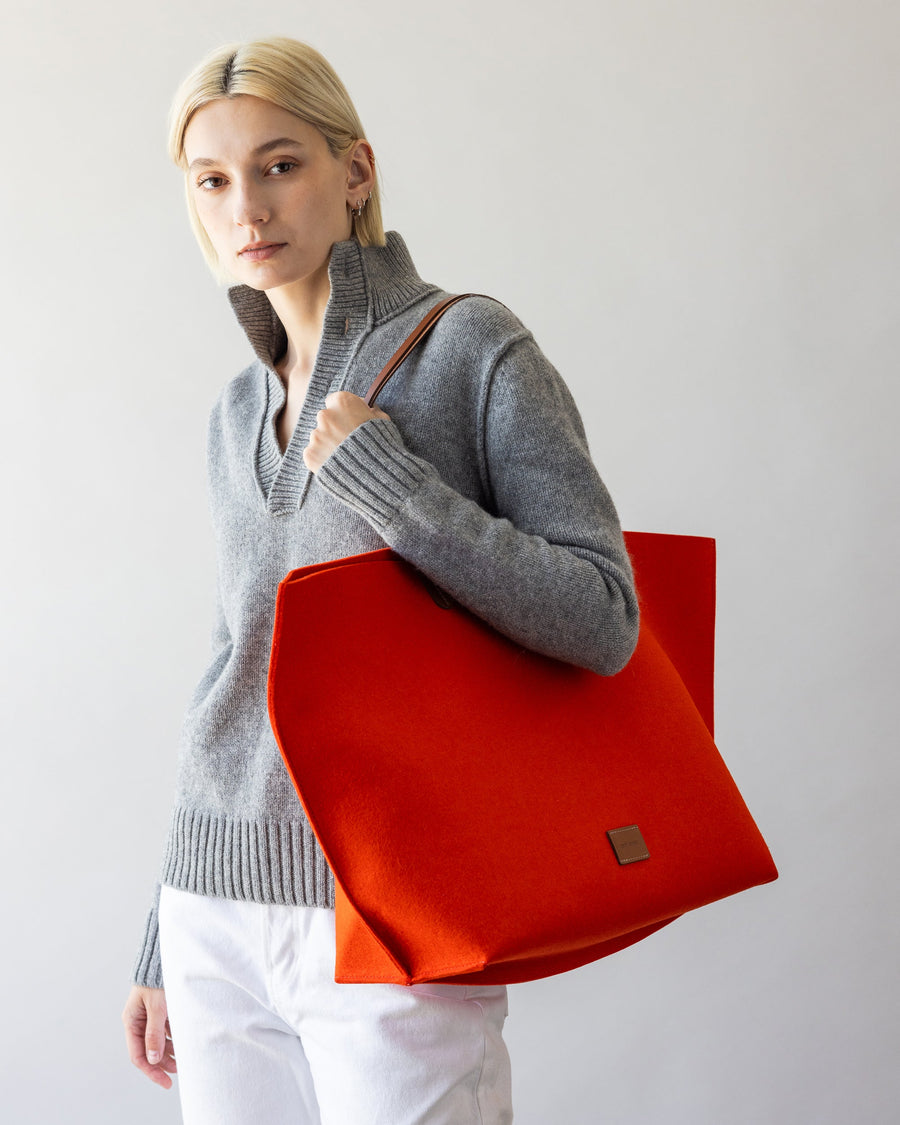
[{"x": 262, "y": 860}]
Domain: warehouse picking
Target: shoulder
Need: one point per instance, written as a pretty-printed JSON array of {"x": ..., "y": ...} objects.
[
  {"x": 517, "y": 379},
  {"x": 487, "y": 318},
  {"x": 248, "y": 387},
  {"x": 478, "y": 331},
  {"x": 240, "y": 401}
]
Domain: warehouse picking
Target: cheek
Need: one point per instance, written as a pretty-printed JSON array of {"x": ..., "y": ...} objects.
[
  {"x": 319, "y": 198},
  {"x": 211, "y": 219},
  {"x": 330, "y": 193}
]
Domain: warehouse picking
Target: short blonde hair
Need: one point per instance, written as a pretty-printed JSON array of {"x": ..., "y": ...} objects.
[{"x": 292, "y": 75}]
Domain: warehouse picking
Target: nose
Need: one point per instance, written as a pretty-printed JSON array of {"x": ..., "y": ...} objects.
[{"x": 250, "y": 208}]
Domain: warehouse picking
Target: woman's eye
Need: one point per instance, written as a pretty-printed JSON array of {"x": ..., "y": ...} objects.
[{"x": 280, "y": 168}]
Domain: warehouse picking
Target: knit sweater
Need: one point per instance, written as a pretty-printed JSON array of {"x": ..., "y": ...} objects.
[{"x": 481, "y": 478}]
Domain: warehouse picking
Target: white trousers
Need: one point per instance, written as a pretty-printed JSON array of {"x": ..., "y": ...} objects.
[{"x": 263, "y": 1036}]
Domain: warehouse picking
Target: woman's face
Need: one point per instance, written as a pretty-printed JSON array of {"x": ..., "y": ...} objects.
[{"x": 258, "y": 174}]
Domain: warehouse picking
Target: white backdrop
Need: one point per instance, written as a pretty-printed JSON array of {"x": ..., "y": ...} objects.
[{"x": 693, "y": 206}]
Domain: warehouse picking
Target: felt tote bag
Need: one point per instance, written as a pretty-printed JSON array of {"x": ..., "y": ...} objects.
[{"x": 492, "y": 815}]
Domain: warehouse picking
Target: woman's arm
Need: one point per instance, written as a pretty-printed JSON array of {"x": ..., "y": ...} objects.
[{"x": 547, "y": 566}]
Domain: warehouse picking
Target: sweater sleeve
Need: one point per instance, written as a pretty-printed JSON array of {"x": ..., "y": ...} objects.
[
  {"x": 547, "y": 565},
  {"x": 147, "y": 967}
]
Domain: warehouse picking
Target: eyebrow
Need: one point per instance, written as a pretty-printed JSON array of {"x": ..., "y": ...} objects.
[{"x": 260, "y": 150}]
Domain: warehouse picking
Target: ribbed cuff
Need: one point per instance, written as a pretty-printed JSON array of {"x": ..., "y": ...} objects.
[
  {"x": 148, "y": 967},
  {"x": 373, "y": 472}
]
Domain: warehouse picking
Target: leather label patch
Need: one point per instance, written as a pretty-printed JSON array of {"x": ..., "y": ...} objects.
[{"x": 628, "y": 844}]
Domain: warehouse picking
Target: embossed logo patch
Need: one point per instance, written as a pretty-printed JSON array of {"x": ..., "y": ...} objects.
[{"x": 628, "y": 844}]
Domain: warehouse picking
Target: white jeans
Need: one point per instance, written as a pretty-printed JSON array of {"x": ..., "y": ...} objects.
[{"x": 263, "y": 1035}]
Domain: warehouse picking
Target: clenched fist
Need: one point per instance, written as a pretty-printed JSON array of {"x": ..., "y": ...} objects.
[{"x": 342, "y": 414}]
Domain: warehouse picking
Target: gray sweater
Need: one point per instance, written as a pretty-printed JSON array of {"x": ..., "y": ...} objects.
[{"x": 482, "y": 479}]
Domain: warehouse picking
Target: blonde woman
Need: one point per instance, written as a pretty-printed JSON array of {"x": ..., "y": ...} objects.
[{"x": 477, "y": 471}]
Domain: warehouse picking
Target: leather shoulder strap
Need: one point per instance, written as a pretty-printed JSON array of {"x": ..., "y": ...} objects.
[{"x": 421, "y": 330}]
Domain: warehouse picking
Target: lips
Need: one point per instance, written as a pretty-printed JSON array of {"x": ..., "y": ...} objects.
[{"x": 256, "y": 251}]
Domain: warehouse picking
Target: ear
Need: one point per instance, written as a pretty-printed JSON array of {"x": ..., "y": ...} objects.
[{"x": 360, "y": 172}]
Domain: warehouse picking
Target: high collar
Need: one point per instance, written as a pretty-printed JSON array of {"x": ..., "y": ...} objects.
[{"x": 369, "y": 284}]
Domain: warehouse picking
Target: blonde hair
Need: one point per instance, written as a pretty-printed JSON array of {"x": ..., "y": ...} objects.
[{"x": 289, "y": 74}]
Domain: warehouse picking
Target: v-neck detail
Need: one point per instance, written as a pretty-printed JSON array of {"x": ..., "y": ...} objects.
[
  {"x": 285, "y": 488},
  {"x": 368, "y": 285}
]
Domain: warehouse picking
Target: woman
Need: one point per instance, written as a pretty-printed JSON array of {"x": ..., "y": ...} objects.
[{"x": 477, "y": 472}]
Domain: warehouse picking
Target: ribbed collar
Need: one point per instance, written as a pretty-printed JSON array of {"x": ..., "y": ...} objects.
[{"x": 369, "y": 285}]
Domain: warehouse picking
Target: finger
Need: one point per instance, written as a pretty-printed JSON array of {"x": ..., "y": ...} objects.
[
  {"x": 170, "y": 1046},
  {"x": 343, "y": 398},
  {"x": 134, "y": 1040},
  {"x": 168, "y": 1063},
  {"x": 146, "y": 1007},
  {"x": 158, "y": 1073},
  {"x": 313, "y": 457},
  {"x": 155, "y": 1033}
]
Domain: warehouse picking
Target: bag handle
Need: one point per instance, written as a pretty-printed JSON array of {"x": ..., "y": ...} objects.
[{"x": 422, "y": 329}]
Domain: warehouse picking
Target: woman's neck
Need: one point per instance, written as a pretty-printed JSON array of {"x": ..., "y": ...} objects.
[{"x": 301, "y": 309}]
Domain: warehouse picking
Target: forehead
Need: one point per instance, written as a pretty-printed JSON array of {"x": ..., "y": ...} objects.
[{"x": 233, "y": 128}]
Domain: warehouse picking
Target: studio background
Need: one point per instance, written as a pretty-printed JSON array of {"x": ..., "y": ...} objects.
[{"x": 693, "y": 207}]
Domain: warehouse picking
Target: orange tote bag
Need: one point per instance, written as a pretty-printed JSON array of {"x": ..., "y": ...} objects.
[{"x": 490, "y": 814}]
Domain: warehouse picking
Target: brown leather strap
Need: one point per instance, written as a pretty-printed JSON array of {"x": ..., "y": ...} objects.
[{"x": 422, "y": 329}]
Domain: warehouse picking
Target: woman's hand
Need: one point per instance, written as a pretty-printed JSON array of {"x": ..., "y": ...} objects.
[
  {"x": 342, "y": 414},
  {"x": 147, "y": 1034}
]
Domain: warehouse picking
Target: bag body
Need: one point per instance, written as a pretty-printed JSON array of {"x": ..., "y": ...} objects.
[{"x": 490, "y": 814}]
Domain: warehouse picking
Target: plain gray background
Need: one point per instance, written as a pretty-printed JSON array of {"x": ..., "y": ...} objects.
[{"x": 693, "y": 206}]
